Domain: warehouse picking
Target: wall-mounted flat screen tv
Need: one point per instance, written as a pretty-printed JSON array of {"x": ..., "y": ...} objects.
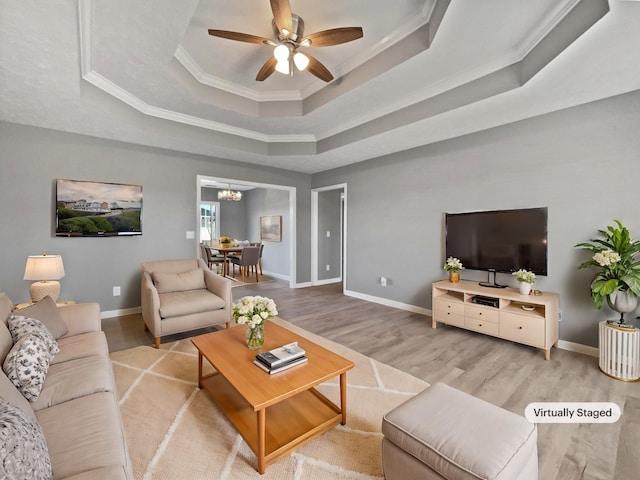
[
  {"x": 499, "y": 240},
  {"x": 97, "y": 209}
]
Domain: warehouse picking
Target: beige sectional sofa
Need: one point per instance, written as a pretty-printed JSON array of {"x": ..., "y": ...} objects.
[{"x": 77, "y": 408}]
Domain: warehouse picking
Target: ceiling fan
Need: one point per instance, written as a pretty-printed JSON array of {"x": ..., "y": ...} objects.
[{"x": 289, "y": 31}]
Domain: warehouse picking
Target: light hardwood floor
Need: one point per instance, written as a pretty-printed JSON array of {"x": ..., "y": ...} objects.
[{"x": 498, "y": 371}]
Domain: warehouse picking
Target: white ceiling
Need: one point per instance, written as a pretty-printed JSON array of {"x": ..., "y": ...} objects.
[{"x": 425, "y": 71}]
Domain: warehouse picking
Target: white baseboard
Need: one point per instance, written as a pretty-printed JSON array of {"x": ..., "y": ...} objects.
[
  {"x": 327, "y": 281},
  {"x": 388, "y": 303},
  {"x": 579, "y": 348},
  {"x": 276, "y": 275},
  {"x": 121, "y": 312}
]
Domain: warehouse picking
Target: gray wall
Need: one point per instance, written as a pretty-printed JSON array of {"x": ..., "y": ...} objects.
[
  {"x": 233, "y": 215},
  {"x": 329, "y": 217},
  {"x": 32, "y": 158},
  {"x": 583, "y": 163},
  {"x": 265, "y": 202}
]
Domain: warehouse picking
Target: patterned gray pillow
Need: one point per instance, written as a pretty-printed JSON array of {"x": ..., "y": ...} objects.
[
  {"x": 23, "y": 450},
  {"x": 21, "y": 326},
  {"x": 27, "y": 364}
]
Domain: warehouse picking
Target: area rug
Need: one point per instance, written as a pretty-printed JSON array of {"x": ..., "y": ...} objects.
[{"x": 174, "y": 430}]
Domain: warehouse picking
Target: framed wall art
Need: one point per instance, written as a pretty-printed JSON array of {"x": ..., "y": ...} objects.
[{"x": 271, "y": 228}]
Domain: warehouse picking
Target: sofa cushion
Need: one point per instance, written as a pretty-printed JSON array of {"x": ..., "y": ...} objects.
[
  {"x": 81, "y": 346},
  {"x": 74, "y": 379},
  {"x": 10, "y": 393},
  {"x": 175, "y": 304},
  {"x": 23, "y": 449},
  {"x": 26, "y": 365},
  {"x": 6, "y": 342},
  {"x": 6, "y": 305},
  {"x": 47, "y": 312},
  {"x": 21, "y": 326},
  {"x": 84, "y": 434},
  {"x": 179, "y": 282}
]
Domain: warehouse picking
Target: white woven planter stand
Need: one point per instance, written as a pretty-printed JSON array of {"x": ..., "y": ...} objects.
[{"x": 619, "y": 352}]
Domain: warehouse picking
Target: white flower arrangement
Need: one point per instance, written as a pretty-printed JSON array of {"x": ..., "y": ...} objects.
[
  {"x": 253, "y": 311},
  {"x": 606, "y": 258},
  {"x": 453, "y": 264},
  {"x": 526, "y": 276}
]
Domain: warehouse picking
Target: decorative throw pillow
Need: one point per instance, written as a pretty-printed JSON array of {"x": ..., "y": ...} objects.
[
  {"x": 179, "y": 282},
  {"x": 21, "y": 326},
  {"x": 47, "y": 312},
  {"x": 23, "y": 450},
  {"x": 27, "y": 364}
]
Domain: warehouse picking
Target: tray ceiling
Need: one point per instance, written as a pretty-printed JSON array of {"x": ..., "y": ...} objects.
[{"x": 425, "y": 71}]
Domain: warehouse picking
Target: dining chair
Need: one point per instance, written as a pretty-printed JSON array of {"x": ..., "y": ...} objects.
[
  {"x": 209, "y": 257},
  {"x": 250, "y": 256}
]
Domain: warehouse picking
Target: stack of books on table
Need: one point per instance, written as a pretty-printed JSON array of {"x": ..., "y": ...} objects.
[{"x": 281, "y": 358}]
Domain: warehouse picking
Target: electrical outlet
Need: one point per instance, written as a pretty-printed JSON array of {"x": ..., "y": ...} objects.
[
  {"x": 383, "y": 281},
  {"x": 328, "y": 268},
  {"x": 328, "y": 234},
  {"x": 191, "y": 234},
  {"x": 116, "y": 291}
]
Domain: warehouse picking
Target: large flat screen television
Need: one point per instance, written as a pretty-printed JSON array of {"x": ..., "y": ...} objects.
[
  {"x": 92, "y": 209},
  {"x": 499, "y": 240}
]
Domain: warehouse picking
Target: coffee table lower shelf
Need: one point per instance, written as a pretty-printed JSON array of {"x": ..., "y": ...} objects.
[{"x": 285, "y": 425}]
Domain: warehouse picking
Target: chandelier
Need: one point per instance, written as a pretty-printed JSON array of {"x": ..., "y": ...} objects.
[{"x": 229, "y": 195}]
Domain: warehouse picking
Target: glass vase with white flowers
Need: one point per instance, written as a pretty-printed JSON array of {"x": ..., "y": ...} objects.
[{"x": 253, "y": 311}]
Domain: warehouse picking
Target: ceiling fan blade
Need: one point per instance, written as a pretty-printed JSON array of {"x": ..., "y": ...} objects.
[
  {"x": 282, "y": 14},
  {"x": 318, "y": 69},
  {"x": 267, "y": 69},
  {"x": 240, "y": 37},
  {"x": 334, "y": 36}
]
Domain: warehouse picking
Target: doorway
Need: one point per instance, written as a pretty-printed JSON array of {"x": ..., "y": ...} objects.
[
  {"x": 288, "y": 214},
  {"x": 329, "y": 234}
]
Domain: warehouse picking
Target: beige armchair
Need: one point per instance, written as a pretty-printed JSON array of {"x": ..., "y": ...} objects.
[{"x": 183, "y": 295}]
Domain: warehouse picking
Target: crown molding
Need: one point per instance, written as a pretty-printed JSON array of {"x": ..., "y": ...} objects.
[{"x": 205, "y": 78}]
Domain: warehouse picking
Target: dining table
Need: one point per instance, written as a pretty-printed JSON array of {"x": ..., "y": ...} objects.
[{"x": 225, "y": 250}]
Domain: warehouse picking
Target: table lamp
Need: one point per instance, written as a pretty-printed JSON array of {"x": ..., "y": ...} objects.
[{"x": 46, "y": 270}]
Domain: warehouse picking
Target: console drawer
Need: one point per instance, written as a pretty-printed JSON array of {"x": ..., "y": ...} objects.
[
  {"x": 482, "y": 326},
  {"x": 446, "y": 305},
  {"x": 449, "y": 318},
  {"x": 522, "y": 329},
  {"x": 485, "y": 314}
]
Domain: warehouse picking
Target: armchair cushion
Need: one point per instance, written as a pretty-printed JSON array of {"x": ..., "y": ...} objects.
[
  {"x": 175, "y": 304},
  {"x": 179, "y": 282}
]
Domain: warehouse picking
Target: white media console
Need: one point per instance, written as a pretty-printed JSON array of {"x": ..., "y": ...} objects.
[{"x": 502, "y": 312}]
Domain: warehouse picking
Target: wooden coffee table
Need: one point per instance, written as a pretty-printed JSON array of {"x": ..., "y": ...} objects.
[{"x": 275, "y": 414}]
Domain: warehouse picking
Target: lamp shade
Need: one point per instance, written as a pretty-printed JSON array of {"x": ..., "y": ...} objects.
[{"x": 44, "y": 267}]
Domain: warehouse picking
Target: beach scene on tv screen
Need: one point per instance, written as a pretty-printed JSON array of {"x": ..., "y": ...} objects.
[{"x": 97, "y": 208}]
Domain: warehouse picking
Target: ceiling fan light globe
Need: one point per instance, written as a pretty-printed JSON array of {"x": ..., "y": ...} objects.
[
  {"x": 281, "y": 52},
  {"x": 301, "y": 61},
  {"x": 283, "y": 67}
]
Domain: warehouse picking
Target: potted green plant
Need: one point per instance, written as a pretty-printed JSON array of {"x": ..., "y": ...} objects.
[
  {"x": 526, "y": 279},
  {"x": 618, "y": 269}
]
